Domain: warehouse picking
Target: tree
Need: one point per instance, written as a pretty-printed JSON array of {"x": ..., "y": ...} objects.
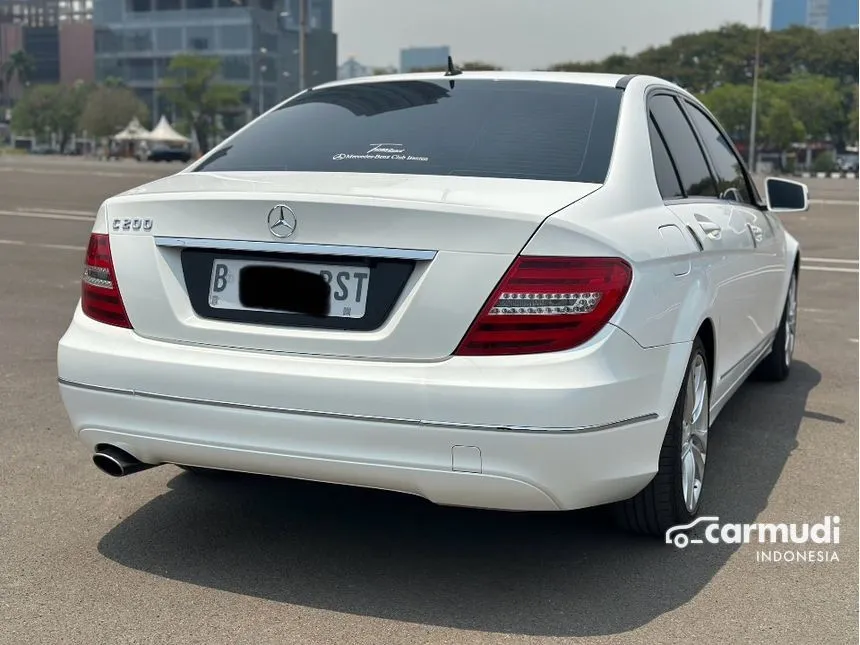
[
  {"x": 815, "y": 73},
  {"x": 731, "y": 105},
  {"x": 20, "y": 65},
  {"x": 51, "y": 109},
  {"x": 113, "y": 81},
  {"x": 478, "y": 66},
  {"x": 704, "y": 61},
  {"x": 788, "y": 112},
  {"x": 193, "y": 86},
  {"x": 852, "y": 119},
  {"x": 816, "y": 101},
  {"x": 469, "y": 66},
  {"x": 780, "y": 127},
  {"x": 109, "y": 109},
  {"x": 824, "y": 162}
]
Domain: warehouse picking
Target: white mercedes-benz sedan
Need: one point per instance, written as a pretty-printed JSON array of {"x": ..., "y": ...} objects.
[{"x": 517, "y": 291}]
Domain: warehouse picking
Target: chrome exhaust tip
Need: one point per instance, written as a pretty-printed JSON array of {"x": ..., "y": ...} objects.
[{"x": 117, "y": 463}]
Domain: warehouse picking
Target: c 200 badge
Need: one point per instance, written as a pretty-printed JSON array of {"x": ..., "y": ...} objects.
[{"x": 134, "y": 225}]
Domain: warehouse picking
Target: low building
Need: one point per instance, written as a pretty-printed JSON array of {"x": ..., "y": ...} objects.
[
  {"x": 351, "y": 68},
  {"x": 418, "y": 58}
]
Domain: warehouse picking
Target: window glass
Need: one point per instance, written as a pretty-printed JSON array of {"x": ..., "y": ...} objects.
[
  {"x": 478, "y": 128},
  {"x": 137, "y": 40},
  {"x": 107, "y": 41},
  {"x": 140, "y": 69},
  {"x": 161, "y": 67},
  {"x": 235, "y": 37},
  {"x": 110, "y": 68},
  {"x": 268, "y": 41},
  {"x": 200, "y": 38},
  {"x": 683, "y": 146},
  {"x": 727, "y": 165},
  {"x": 664, "y": 170},
  {"x": 105, "y": 11},
  {"x": 169, "y": 39},
  {"x": 236, "y": 68}
]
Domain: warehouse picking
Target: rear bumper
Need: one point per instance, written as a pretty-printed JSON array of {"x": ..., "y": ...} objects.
[{"x": 551, "y": 432}]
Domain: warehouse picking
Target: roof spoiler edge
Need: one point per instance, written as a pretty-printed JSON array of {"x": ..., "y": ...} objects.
[{"x": 624, "y": 81}]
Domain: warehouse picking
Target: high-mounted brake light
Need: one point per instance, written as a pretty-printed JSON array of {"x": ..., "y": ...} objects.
[
  {"x": 548, "y": 304},
  {"x": 100, "y": 297}
]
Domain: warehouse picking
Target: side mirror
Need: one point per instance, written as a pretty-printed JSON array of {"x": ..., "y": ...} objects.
[{"x": 785, "y": 195}]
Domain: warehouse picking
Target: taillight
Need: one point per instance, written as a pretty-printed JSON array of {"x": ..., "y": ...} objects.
[
  {"x": 548, "y": 304},
  {"x": 100, "y": 297}
]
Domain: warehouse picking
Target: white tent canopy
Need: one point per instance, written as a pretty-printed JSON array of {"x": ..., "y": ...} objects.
[
  {"x": 134, "y": 131},
  {"x": 165, "y": 132}
]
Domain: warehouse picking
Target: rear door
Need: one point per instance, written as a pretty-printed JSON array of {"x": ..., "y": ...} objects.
[
  {"x": 719, "y": 230},
  {"x": 736, "y": 188}
]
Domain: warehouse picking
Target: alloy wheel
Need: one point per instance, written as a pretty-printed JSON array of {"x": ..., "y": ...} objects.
[
  {"x": 694, "y": 433},
  {"x": 791, "y": 321}
]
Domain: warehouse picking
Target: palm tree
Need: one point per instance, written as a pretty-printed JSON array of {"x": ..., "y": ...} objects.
[{"x": 19, "y": 65}]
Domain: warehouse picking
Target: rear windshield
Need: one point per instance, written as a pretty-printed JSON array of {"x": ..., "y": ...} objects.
[{"x": 475, "y": 128}]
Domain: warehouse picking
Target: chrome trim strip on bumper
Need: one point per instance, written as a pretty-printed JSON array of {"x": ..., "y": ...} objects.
[
  {"x": 358, "y": 417},
  {"x": 294, "y": 247}
]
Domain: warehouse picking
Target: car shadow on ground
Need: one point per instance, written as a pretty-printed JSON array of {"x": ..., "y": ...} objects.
[{"x": 398, "y": 557}]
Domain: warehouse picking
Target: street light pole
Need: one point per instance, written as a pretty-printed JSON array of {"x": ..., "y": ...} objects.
[
  {"x": 260, "y": 91},
  {"x": 303, "y": 16},
  {"x": 754, "y": 110},
  {"x": 261, "y": 69}
]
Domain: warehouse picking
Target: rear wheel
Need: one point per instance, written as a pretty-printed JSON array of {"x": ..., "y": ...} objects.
[
  {"x": 777, "y": 365},
  {"x": 674, "y": 495}
]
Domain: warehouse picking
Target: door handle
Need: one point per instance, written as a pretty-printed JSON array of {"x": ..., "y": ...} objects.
[{"x": 711, "y": 229}]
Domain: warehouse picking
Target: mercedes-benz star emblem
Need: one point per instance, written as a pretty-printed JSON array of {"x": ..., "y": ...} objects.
[{"x": 282, "y": 221}]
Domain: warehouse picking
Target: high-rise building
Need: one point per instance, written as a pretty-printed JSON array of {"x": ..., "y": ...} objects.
[
  {"x": 417, "y": 58},
  {"x": 817, "y": 14},
  {"x": 56, "y": 34},
  {"x": 257, "y": 42}
]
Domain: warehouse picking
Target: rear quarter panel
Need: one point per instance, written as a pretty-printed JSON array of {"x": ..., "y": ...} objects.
[
  {"x": 660, "y": 307},
  {"x": 622, "y": 219}
]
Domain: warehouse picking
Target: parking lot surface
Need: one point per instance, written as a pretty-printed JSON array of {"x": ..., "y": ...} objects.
[{"x": 168, "y": 557}]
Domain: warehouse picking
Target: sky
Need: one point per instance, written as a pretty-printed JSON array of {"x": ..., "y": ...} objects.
[{"x": 525, "y": 34}]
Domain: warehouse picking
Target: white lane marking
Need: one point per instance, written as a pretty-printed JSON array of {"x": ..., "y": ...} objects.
[
  {"x": 55, "y": 211},
  {"x": 832, "y": 269},
  {"x": 93, "y": 173},
  {"x": 830, "y": 260},
  {"x": 834, "y": 202},
  {"x": 854, "y": 340},
  {"x": 73, "y": 218},
  {"x": 61, "y": 247}
]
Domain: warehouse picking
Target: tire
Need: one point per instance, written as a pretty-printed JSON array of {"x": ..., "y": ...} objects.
[
  {"x": 777, "y": 365},
  {"x": 667, "y": 501}
]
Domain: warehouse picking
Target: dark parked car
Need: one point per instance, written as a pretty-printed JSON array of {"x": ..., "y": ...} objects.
[{"x": 164, "y": 153}]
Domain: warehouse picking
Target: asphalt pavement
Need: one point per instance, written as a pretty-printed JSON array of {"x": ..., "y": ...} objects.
[{"x": 168, "y": 557}]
